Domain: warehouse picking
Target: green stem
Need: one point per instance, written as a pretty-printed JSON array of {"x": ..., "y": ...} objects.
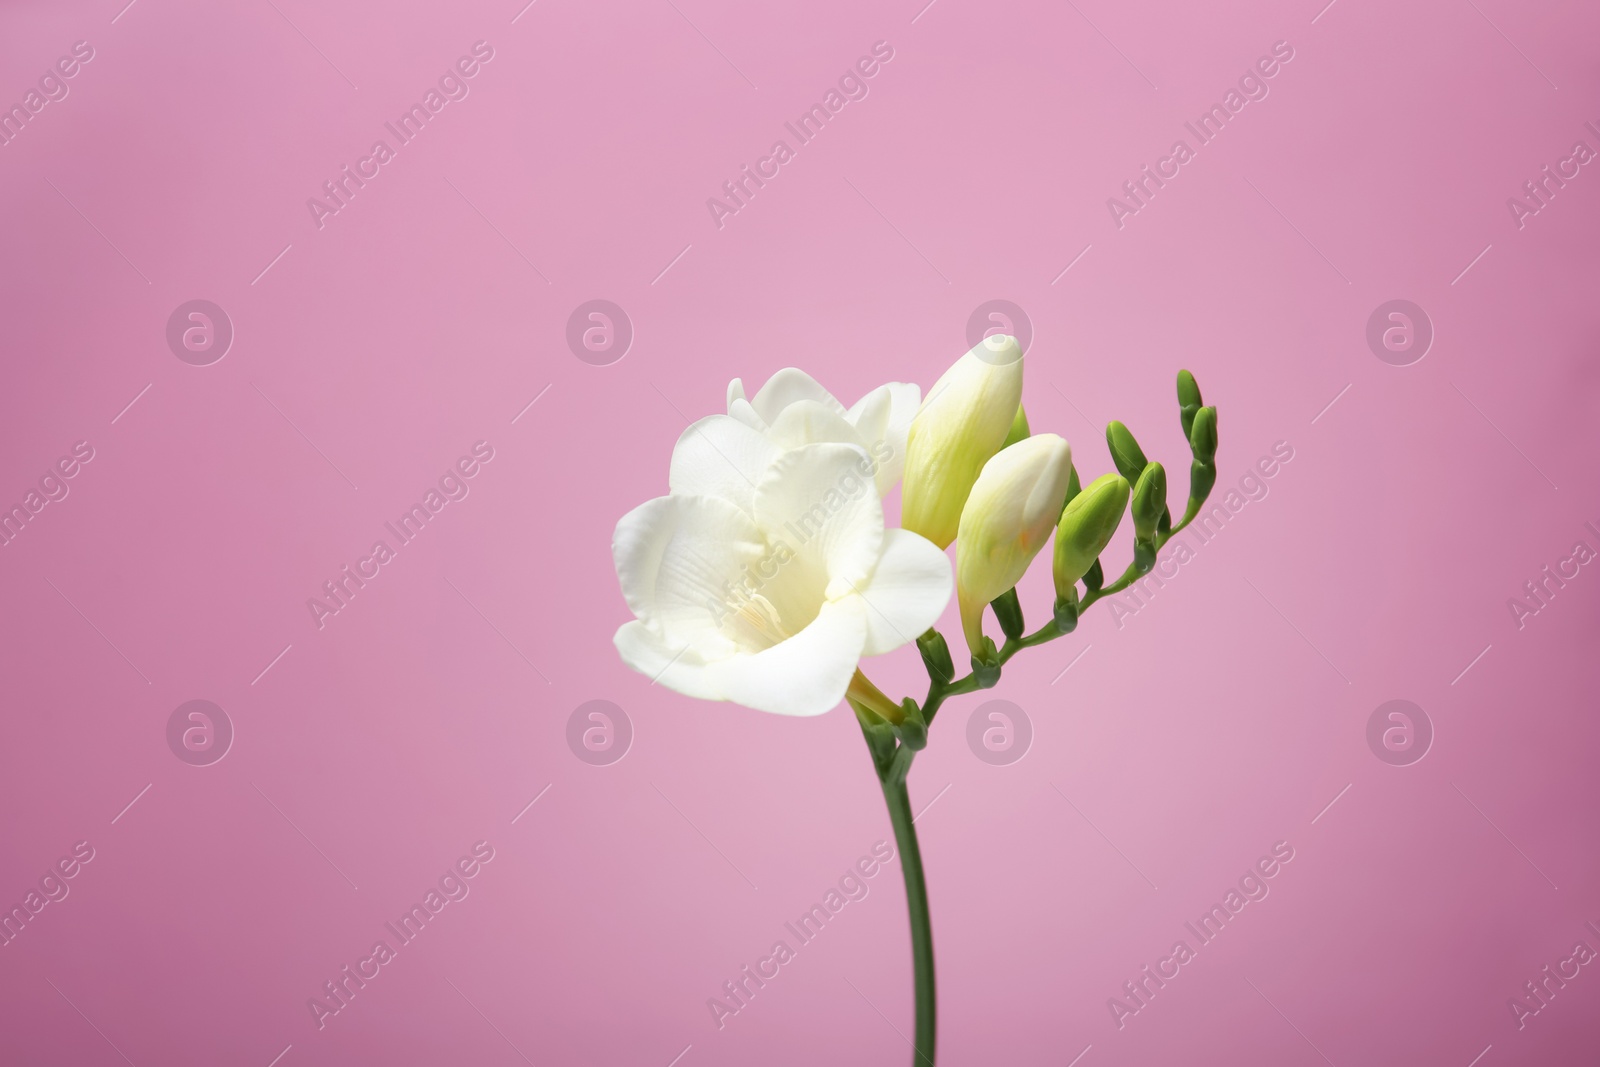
[{"x": 905, "y": 836}]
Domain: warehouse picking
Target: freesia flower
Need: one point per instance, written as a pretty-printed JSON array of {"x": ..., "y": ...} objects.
[
  {"x": 1010, "y": 515},
  {"x": 966, "y": 419},
  {"x": 767, "y": 574},
  {"x": 793, "y": 409}
]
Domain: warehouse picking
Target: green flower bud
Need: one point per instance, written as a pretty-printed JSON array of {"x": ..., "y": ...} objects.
[
  {"x": 1125, "y": 452},
  {"x": 1008, "y": 609},
  {"x": 1073, "y": 488},
  {"x": 1094, "y": 578},
  {"x": 1203, "y": 438},
  {"x": 1019, "y": 428},
  {"x": 1189, "y": 401},
  {"x": 913, "y": 731},
  {"x": 936, "y": 656},
  {"x": 1202, "y": 476},
  {"x": 1087, "y": 525},
  {"x": 1149, "y": 501},
  {"x": 986, "y": 664}
]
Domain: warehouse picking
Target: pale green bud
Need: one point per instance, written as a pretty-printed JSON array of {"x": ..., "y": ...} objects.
[
  {"x": 1149, "y": 502},
  {"x": 1011, "y": 512},
  {"x": 1087, "y": 525},
  {"x": 963, "y": 423},
  {"x": 1125, "y": 452}
]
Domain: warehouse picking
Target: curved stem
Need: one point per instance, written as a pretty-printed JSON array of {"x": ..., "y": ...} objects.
[{"x": 905, "y": 836}]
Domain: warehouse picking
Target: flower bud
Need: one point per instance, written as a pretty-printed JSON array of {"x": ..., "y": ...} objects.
[
  {"x": 1019, "y": 428},
  {"x": 1188, "y": 400},
  {"x": 967, "y": 417},
  {"x": 1202, "y": 476},
  {"x": 1203, "y": 437},
  {"x": 1149, "y": 502},
  {"x": 1008, "y": 612},
  {"x": 1010, "y": 514},
  {"x": 1086, "y": 528},
  {"x": 1125, "y": 452},
  {"x": 936, "y": 656}
]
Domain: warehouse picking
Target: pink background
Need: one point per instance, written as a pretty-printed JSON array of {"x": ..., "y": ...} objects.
[{"x": 1218, "y": 720}]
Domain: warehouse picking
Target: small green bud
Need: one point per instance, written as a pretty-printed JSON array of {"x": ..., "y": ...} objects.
[
  {"x": 1073, "y": 488},
  {"x": 1144, "y": 556},
  {"x": 912, "y": 729},
  {"x": 1019, "y": 428},
  {"x": 936, "y": 656},
  {"x": 1125, "y": 452},
  {"x": 1149, "y": 501},
  {"x": 1202, "y": 476},
  {"x": 1203, "y": 438},
  {"x": 1008, "y": 610},
  {"x": 1067, "y": 613},
  {"x": 1094, "y": 577},
  {"x": 1188, "y": 400},
  {"x": 1087, "y": 525},
  {"x": 986, "y": 664}
]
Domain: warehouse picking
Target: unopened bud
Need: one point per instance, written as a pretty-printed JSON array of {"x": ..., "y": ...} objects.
[
  {"x": 1203, "y": 437},
  {"x": 1189, "y": 401},
  {"x": 1149, "y": 501},
  {"x": 1125, "y": 452},
  {"x": 1087, "y": 525}
]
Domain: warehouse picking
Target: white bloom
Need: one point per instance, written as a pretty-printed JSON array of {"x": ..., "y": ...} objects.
[
  {"x": 792, "y": 409},
  {"x": 1009, "y": 516},
  {"x": 767, "y": 573}
]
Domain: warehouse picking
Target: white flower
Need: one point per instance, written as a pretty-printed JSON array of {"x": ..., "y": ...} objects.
[
  {"x": 765, "y": 582},
  {"x": 792, "y": 409}
]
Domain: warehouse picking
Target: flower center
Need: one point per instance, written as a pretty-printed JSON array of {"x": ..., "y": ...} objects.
[{"x": 755, "y": 623}]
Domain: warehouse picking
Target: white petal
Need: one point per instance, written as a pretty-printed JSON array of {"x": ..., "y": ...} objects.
[
  {"x": 788, "y": 386},
  {"x": 680, "y": 669},
  {"x": 806, "y": 422},
  {"x": 820, "y": 502},
  {"x": 735, "y": 392},
  {"x": 677, "y": 557},
  {"x": 805, "y": 675},
  {"x": 907, "y": 593},
  {"x": 741, "y": 410},
  {"x": 883, "y": 418},
  {"x": 722, "y": 457}
]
